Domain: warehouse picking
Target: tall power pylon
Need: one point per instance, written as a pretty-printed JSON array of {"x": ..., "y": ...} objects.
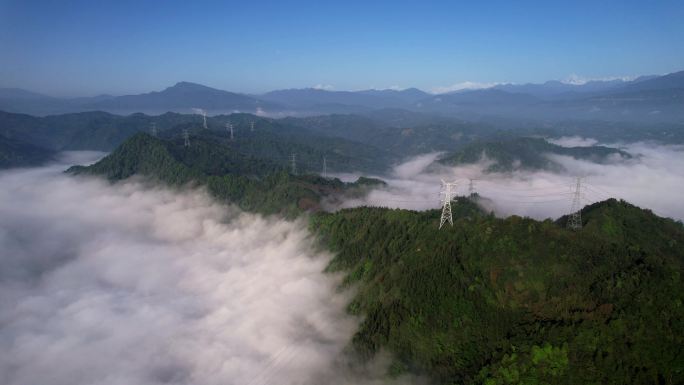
[
  {"x": 293, "y": 162},
  {"x": 186, "y": 138},
  {"x": 251, "y": 126},
  {"x": 448, "y": 192},
  {"x": 471, "y": 187},
  {"x": 229, "y": 127},
  {"x": 575, "y": 220},
  {"x": 154, "y": 129},
  {"x": 325, "y": 168}
]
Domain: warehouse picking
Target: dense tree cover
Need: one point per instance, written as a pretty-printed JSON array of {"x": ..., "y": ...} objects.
[
  {"x": 81, "y": 131},
  {"x": 487, "y": 301},
  {"x": 370, "y": 143},
  {"x": 254, "y": 184},
  {"x": 270, "y": 138},
  {"x": 515, "y": 300},
  {"x": 16, "y": 153},
  {"x": 511, "y": 153},
  {"x": 399, "y": 131}
]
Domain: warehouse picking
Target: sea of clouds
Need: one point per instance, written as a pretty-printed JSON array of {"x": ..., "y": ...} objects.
[
  {"x": 136, "y": 284},
  {"x": 652, "y": 179}
]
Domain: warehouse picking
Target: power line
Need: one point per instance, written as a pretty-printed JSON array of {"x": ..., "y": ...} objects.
[
  {"x": 553, "y": 186},
  {"x": 539, "y": 196}
]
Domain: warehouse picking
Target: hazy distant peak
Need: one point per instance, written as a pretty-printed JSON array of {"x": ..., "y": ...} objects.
[
  {"x": 189, "y": 87},
  {"x": 19, "y": 93}
]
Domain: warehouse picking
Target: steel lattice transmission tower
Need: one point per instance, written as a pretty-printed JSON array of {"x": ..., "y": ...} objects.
[
  {"x": 154, "y": 129},
  {"x": 448, "y": 192},
  {"x": 471, "y": 187},
  {"x": 575, "y": 220},
  {"x": 325, "y": 168},
  {"x": 293, "y": 162},
  {"x": 229, "y": 127},
  {"x": 186, "y": 138},
  {"x": 251, "y": 126}
]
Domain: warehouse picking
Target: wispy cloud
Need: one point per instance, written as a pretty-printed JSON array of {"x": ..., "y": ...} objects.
[
  {"x": 580, "y": 80},
  {"x": 396, "y": 88},
  {"x": 325, "y": 87},
  {"x": 653, "y": 179},
  {"x": 169, "y": 288},
  {"x": 467, "y": 85}
]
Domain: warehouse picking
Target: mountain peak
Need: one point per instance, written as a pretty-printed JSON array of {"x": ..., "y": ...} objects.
[{"x": 189, "y": 86}]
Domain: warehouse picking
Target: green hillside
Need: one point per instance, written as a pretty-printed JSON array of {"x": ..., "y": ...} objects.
[
  {"x": 487, "y": 301},
  {"x": 527, "y": 153},
  {"x": 275, "y": 141},
  {"x": 254, "y": 184},
  {"x": 397, "y": 133},
  {"x": 515, "y": 300},
  {"x": 268, "y": 138},
  {"x": 16, "y": 153}
]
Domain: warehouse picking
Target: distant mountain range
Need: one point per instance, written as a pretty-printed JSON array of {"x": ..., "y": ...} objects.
[
  {"x": 316, "y": 99},
  {"x": 528, "y": 153},
  {"x": 647, "y": 98},
  {"x": 17, "y": 153}
]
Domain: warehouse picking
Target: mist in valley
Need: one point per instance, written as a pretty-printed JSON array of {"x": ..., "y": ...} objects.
[
  {"x": 136, "y": 284},
  {"x": 653, "y": 179}
]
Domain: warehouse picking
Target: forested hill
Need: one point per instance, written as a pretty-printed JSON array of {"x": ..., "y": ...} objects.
[
  {"x": 515, "y": 300},
  {"x": 261, "y": 137},
  {"x": 16, "y": 153},
  {"x": 487, "y": 301},
  {"x": 254, "y": 184},
  {"x": 530, "y": 153}
]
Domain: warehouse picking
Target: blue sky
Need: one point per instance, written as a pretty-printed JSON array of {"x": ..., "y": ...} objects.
[{"x": 71, "y": 48}]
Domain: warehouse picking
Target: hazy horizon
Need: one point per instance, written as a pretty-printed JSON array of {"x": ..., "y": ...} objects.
[
  {"x": 573, "y": 80},
  {"x": 250, "y": 48}
]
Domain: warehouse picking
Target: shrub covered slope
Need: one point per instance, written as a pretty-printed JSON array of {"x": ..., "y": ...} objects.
[
  {"x": 514, "y": 300},
  {"x": 487, "y": 301},
  {"x": 254, "y": 184}
]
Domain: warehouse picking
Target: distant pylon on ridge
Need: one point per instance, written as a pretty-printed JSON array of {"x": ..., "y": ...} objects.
[
  {"x": 251, "y": 126},
  {"x": 575, "y": 220},
  {"x": 447, "y": 191},
  {"x": 325, "y": 168},
  {"x": 229, "y": 127},
  {"x": 186, "y": 138},
  {"x": 154, "y": 129},
  {"x": 471, "y": 187},
  {"x": 293, "y": 161}
]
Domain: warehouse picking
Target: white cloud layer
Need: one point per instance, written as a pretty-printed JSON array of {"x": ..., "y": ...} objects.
[
  {"x": 130, "y": 284},
  {"x": 324, "y": 87},
  {"x": 654, "y": 179},
  {"x": 468, "y": 85},
  {"x": 573, "y": 141},
  {"x": 579, "y": 80}
]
